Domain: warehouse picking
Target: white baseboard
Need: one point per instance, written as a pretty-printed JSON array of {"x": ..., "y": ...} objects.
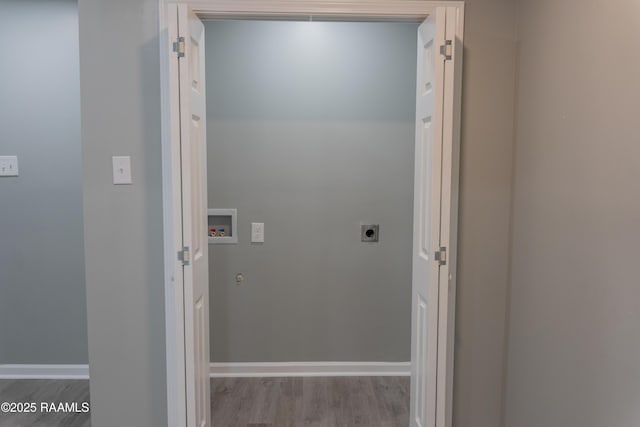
[
  {"x": 310, "y": 369},
  {"x": 220, "y": 370},
  {"x": 42, "y": 372}
]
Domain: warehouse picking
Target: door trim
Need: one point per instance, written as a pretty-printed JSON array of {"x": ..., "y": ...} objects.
[
  {"x": 397, "y": 10},
  {"x": 172, "y": 219},
  {"x": 347, "y": 10},
  {"x": 449, "y": 204}
]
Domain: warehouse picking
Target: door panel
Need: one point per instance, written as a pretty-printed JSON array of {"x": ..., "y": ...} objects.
[
  {"x": 427, "y": 210},
  {"x": 194, "y": 216}
]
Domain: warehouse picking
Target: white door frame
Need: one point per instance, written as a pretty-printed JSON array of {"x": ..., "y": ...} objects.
[{"x": 379, "y": 10}]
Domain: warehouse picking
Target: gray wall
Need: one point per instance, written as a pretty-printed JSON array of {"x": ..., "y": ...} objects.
[
  {"x": 488, "y": 101},
  {"x": 42, "y": 290},
  {"x": 311, "y": 131},
  {"x": 120, "y": 97},
  {"x": 574, "y": 340},
  {"x": 486, "y": 159}
]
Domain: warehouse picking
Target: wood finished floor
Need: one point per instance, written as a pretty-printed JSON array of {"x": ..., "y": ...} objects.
[
  {"x": 310, "y": 401},
  {"x": 244, "y": 402},
  {"x": 50, "y": 391}
]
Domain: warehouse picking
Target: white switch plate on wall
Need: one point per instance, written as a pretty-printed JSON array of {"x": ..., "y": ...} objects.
[
  {"x": 257, "y": 232},
  {"x": 8, "y": 165},
  {"x": 121, "y": 170}
]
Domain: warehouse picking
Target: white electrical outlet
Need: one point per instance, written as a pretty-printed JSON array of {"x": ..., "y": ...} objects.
[
  {"x": 8, "y": 165},
  {"x": 257, "y": 232}
]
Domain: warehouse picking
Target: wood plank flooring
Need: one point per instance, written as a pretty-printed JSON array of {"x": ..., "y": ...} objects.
[
  {"x": 48, "y": 391},
  {"x": 245, "y": 402},
  {"x": 310, "y": 401}
]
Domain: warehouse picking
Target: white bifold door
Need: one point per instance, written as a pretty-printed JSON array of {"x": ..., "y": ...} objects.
[
  {"x": 434, "y": 222},
  {"x": 189, "y": 52}
]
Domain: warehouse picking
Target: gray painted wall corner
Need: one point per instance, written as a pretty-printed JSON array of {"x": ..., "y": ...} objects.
[
  {"x": 487, "y": 138},
  {"x": 120, "y": 98}
]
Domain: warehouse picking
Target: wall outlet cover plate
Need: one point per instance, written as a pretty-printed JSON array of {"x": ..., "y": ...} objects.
[
  {"x": 257, "y": 232},
  {"x": 369, "y": 232}
]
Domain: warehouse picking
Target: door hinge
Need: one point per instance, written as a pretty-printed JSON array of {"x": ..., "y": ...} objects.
[
  {"x": 441, "y": 255},
  {"x": 178, "y": 47},
  {"x": 446, "y": 50},
  {"x": 184, "y": 255}
]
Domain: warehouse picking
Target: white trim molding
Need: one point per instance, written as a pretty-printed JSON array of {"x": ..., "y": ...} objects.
[
  {"x": 397, "y": 10},
  {"x": 348, "y": 10},
  {"x": 44, "y": 372},
  {"x": 310, "y": 369}
]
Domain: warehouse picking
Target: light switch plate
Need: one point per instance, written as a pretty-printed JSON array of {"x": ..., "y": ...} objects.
[
  {"x": 257, "y": 232},
  {"x": 8, "y": 165},
  {"x": 122, "y": 170}
]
